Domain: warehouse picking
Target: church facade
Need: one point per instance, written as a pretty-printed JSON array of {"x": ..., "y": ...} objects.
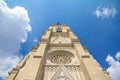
[{"x": 58, "y": 56}]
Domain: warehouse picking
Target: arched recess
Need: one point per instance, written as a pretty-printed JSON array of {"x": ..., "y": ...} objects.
[{"x": 60, "y": 57}]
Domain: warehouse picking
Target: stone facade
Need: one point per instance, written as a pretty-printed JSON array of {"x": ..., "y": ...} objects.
[{"x": 59, "y": 56}]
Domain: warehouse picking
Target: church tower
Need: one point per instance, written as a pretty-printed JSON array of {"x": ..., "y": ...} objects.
[{"x": 59, "y": 56}]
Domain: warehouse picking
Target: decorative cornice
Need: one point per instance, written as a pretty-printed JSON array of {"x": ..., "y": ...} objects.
[
  {"x": 60, "y": 45},
  {"x": 85, "y": 56},
  {"x": 37, "y": 56}
]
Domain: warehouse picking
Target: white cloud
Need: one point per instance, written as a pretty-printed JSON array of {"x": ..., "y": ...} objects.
[
  {"x": 35, "y": 40},
  {"x": 105, "y": 12},
  {"x": 14, "y": 28},
  {"x": 8, "y": 64},
  {"x": 118, "y": 56},
  {"x": 114, "y": 68}
]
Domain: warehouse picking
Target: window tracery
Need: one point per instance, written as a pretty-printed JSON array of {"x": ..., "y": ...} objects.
[{"x": 61, "y": 59}]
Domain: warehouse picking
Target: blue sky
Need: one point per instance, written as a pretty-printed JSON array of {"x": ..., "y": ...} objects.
[{"x": 95, "y": 22}]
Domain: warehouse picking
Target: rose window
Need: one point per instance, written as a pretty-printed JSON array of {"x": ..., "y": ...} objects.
[{"x": 61, "y": 59}]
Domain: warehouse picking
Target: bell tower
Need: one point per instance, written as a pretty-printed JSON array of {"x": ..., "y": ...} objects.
[{"x": 58, "y": 56}]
